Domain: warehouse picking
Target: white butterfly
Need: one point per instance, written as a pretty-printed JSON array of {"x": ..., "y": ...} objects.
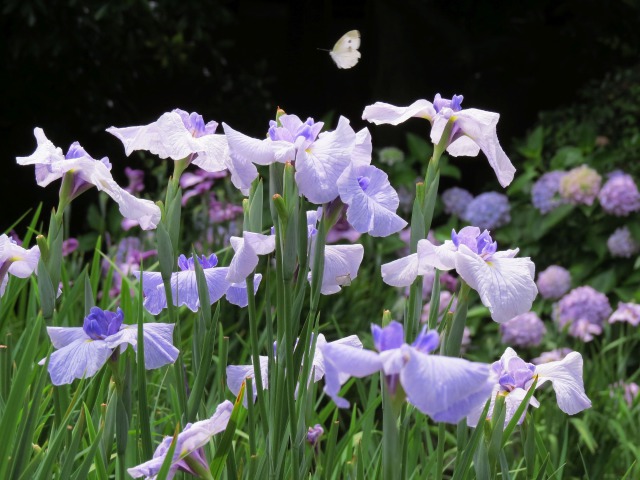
[{"x": 345, "y": 52}]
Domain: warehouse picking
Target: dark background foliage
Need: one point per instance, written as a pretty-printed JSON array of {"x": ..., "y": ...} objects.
[{"x": 75, "y": 68}]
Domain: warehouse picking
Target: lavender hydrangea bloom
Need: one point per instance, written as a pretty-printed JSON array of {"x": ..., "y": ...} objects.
[
  {"x": 552, "y": 356},
  {"x": 455, "y": 201},
  {"x": 82, "y": 351},
  {"x": 515, "y": 376},
  {"x": 525, "y": 330},
  {"x": 553, "y": 282},
  {"x": 580, "y": 185},
  {"x": 545, "y": 193},
  {"x": 189, "y": 443},
  {"x": 444, "y": 388},
  {"x": 619, "y": 195},
  {"x": 488, "y": 210},
  {"x": 505, "y": 283},
  {"x": 51, "y": 165},
  {"x": 626, "y": 312},
  {"x": 584, "y": 310},
  {"x": 177, "y": 135},
  {"x": 473, "y": 129},
  {"x": 622, "y": 244},
  {"x": 16, "y": 260}
]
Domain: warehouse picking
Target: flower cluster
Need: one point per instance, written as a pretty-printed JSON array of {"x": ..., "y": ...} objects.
[
  {"x": 622, "y": 244},
  {"x": 583, "y": 310},
  {"x": 553, "y": 282},
  {"x": 619, "y": 195},
  {"x": 456, "y": 200},
  {"x": 488, "y": 211},
  {"x": 580, "y": 185},
  {"x": 545, "y": 192},
  {"x": 525, "y": 330}
]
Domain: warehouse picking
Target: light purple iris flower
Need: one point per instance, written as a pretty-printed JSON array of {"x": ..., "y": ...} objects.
[
  {"x": 51, "y": 165},
  {"x": 16, "y": 260},
  {"x": 189, "y": 443},
  {"x": 514, "y": 376},
  {"x": 177, "y": 135},
  {"x": 505, "y": 283},
  {"x": 247, "y": 248},
  {"x": 473, "y": 129},
  {"x": 82, "y": 351},
  {"x": 626, "y": 312},
  {"x": 237, "y": 374},
  {"x": 320, "y": 159},
  {"x": 184, "y": 287},
  {"x": 445, "y": 388},
  {"x": 198, "y": 183}
]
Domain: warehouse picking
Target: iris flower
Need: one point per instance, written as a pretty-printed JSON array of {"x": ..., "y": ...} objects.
[
  {"x": 16, "y": 260},
  {"x": 83, "y": 351},
  {"x": 51, "y": 165},
  {"x": 505, "y": 283},
  {"x": 473, "y": 130}
]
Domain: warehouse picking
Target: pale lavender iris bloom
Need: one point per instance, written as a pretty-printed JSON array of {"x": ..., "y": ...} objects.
[
  {"x": 82, "y": 351},
  {"x": 198, "y": 183},
  {"x": 184, "y": 287},
  {"x": 237, "y": 374},
  {"x": 247, "y": 248},
  {"x": 473, "y": 129},
  {"x": 189, "y": 443},
  {"x": 445, "y": 388},
  {"x": 16, "y": 260},
  {"x": 514, "y": 377},
  {"x": 51, "y": 165},
  {"x": 178, "y": 135},
  {"x": 505, "y": 283}
]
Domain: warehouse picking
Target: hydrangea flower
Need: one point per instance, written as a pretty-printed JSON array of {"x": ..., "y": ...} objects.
[
  {"x": 515, "y": 376},
  {"x": 189, "y": 446},
  {"x": 82, "y": 351},
  {"x": 473, "y": 129},
  {"x": 177, "y": 135},
  {"x": 16, "y": 260},
  {"x": 505, "y": 283},
  {"x": 237, "y": 374},
  {"x": 525, "y": 330},
  {"x": 553, "y": 282},
  {"x": 552, "y": 356},
  {"x": 51, "y": 165},
  {"x": 545, "y": 193},
  {"x": 580, "y": 185},
  {"x": 622, "y": 244},
  {"x": 184, "y": 287},
  {"x": 584, "y": 310},
  {"x": 455, "y": 201},
  {"x": 619, "y": 195},
  {"x": 488, "y": 210},
  {"x": 626, "y": 312},
  {"x": 445, "y": 388}
]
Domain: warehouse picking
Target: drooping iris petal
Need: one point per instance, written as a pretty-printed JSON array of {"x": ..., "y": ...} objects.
[
  {"x": 237, "y": 374},
  {"x": 401, "y": 272},
  {"x": 371, "y": 199},
  {"x": 384, "y": 113},
  {"x": 318, "y": 357},
  {"x": 341, "y": 264},
  {"x": 444, "y": 388},
  {"x": 158, "y": 343},
  {"x": 243, "y": 152},
  {"x": 566, "y": 377},
  {"x": 319, "y": 166},
  {"x": 247, "y": 249},
  {"x": 81, "y": 358},
  {"x": 505, "y": 284},
  {"x": 361, "y": 155},
  {"x": 237, "y": 292}
]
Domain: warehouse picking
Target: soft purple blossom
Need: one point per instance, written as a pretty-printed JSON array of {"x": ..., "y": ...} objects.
[
  {"x": 189, "y": 443},
  {"x": 52, "y": 165},
  {"x": 525, "y": 330},
  {"x": 626, "y": 312},
  {"x": 473, "y": 130},
  {"x": 545, "y": 193},
  {"x": 223, "y": 212},
  {"x": 69, "y": 246},
  {"x": 455, "y": 201},
  {"x": 488, "y": 211},
  {"x": 619, "y": 195},
  {"x": 584, "y": 310},
  {"x": 247, "y": 248},
  {"x": 314, "y": 433},
  {"x": 505, "y": 283},
  {"x": 16, "y": 260},
  {"x": 514, "y": 377},
  {"x": 178, "y": 135},
  {"x": 630, "y": 391},
  {"x": 622, "y": 244},
  {"x": 82, "y": 351},
  {"x": 553, "y": 282},
  {"x": 444, "y": 388},
  {"x": 580, "y": 185},
  {"x": 136, "y": 180},
  {"x": 552, "y": 356},
  {"x": 198, "y": 183}
]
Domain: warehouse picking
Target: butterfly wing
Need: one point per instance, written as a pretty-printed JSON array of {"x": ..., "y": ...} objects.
[{"x": 345, "y": 52}]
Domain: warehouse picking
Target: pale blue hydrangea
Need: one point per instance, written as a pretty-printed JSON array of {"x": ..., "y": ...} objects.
[
  {"x": 525, "y": 330},
  {"x": 580, "y": 185},
  {"x": 619, "y": 195},
  {"x": 456, "y": 200},
  {"x": 553, "y": 282},
  {"x": 584, "y": 311},
  {"x": 488, "y": 211},
  {"x": 622, "y": 244},
  {"x": 545, "y": 194}
]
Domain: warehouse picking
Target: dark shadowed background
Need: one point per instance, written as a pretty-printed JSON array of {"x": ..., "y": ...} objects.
[{"x": 76, "y": 68}]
